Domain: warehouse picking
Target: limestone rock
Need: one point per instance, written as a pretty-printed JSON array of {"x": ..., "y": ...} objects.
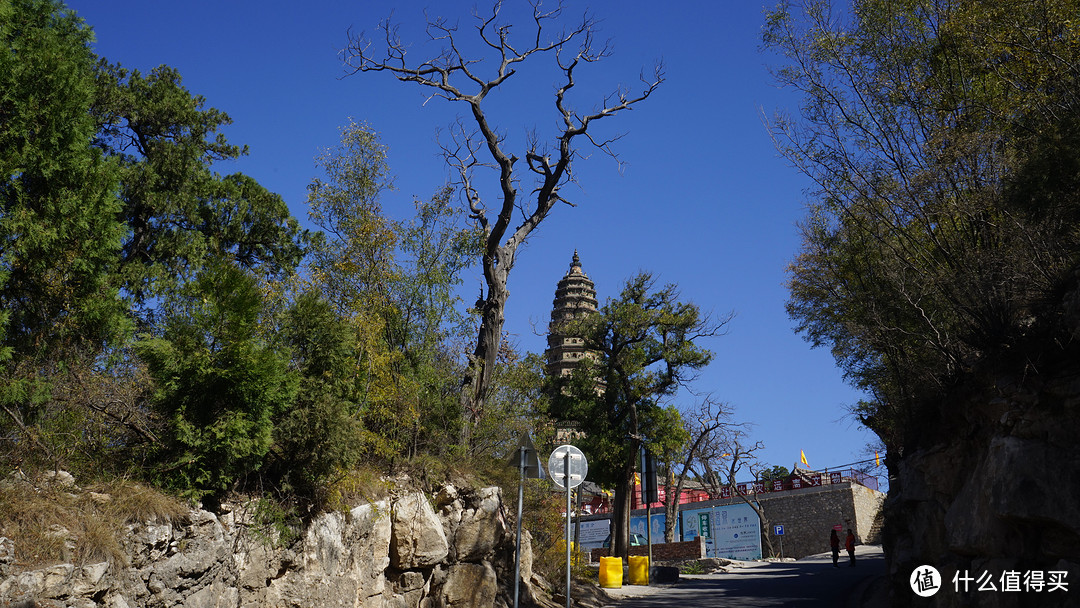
[
  {"x": 418, "y": 539},
  {"x": 62, "y": 479},
  {"x": 447, "y": 495},
  {"x": 410, "y": 588},
  {"x": 469, "y": 586},
  {"x": 379, "y": 555},
  {"x": 7, "y": 550},
  {"x": 373, "y": 526},
  {"x": 526, "y": 560},
  {"x": 482, "y": 526},
  {"x": 87, "y": 581},
  {"x": 51, "y": 582},
  {"x": 215, "y": 595},
  {"x": 344, "y": 557}
]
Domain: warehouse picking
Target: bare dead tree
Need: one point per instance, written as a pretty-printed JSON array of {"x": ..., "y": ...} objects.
[
  {"x": 476, "y": 143},
  {"x": 727, "y": 460},
  {"x": 707, "y": 427}
]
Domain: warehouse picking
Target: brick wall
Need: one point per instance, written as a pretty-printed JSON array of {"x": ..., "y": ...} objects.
[{"x": 694, "y": 549}]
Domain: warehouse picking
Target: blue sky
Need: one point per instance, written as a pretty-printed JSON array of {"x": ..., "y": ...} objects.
[{"x": 702, "y": 201}]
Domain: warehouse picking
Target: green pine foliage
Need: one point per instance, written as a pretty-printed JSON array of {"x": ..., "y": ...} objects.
[
  {"x": 642, "y": 347},
  {"x": 320, "y": 435},
  {"x": 220, "y": 387},
  {"x": 178, "y": 212},
  {"x": 108, "y": 207},
  {"x": 152, "y": 319},
  {"x": 59, "y": 232}
]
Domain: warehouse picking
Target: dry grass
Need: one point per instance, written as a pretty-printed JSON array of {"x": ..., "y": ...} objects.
[
  {"x": 52, "y": 524},
  {"x": 133, "y": 502},
  {"x": 356, "y": 487}
]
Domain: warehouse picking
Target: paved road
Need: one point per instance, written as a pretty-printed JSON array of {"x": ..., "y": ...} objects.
[{"x": 808, "y": 582}]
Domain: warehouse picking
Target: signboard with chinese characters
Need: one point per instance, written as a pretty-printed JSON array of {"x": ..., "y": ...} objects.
[
  {"x": 734, "y": 530},
  {"x": 705, "y": 524},
  {"x": 594, "y": 531},
  {"x": 725, "y": 492},
  {"x": 692, "y": 529},
  {"x": 835, "y": 477},
  {"x": 777, "y": 485}
]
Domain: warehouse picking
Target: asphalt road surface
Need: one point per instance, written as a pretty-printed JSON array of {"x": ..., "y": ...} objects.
[{"x": 811, "y": 581}]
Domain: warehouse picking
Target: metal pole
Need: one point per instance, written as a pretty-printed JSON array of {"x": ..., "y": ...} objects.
[
  {"x": 517, "y": 550},
  {"x": 712, "y": 534},
  {"x": 648, "y": 508},
  {"x": 577, "y": 522},
  {"x": 566, "y": 480}
]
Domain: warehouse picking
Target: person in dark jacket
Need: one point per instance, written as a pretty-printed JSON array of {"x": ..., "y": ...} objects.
[
  {"x": 849, "y": 544},
  {"x": 834, "y": 543}
]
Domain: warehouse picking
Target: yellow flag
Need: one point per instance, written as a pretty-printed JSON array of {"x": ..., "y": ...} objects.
[
  {"x": 877, "y": 459},
  {"x": 803, "y": 458}
]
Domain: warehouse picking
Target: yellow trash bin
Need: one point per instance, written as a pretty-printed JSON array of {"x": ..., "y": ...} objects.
[
  {"x": 639, "y": 570},
  {"x": 611, "y": 572}
]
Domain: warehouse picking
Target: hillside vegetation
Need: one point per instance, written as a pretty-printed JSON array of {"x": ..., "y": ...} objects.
[{"x": 165, "y": 323}]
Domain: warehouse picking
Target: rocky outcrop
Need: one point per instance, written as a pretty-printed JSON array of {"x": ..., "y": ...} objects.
[
  {"x": 991, "y": 486},
  {"x": 403, "y": 553},
  {"x": 418, "y": 539}
]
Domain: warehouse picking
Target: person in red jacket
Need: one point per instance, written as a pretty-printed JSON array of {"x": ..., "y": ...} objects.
[
  {"x": 834, "y": 543},
  {"x": 849, "y": 544}
]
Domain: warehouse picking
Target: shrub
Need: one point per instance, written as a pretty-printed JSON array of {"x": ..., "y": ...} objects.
[{"x": 219, "y": 386}]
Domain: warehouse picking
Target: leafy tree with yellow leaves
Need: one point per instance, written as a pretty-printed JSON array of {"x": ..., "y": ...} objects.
[{"x": 392, "y": 280}]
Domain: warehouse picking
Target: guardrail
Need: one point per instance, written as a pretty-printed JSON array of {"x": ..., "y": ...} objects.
[
  {"x": 802, "y": 479},
  {"x": 795, "y": 481}
]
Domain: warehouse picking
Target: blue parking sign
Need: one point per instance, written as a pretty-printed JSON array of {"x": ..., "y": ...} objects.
[{"x": 778, "y": 530}]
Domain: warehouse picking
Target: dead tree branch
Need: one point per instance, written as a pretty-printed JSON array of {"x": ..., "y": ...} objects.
[
  {"x": 452, "y": 75},
  {"x": 708, "y": 426}
]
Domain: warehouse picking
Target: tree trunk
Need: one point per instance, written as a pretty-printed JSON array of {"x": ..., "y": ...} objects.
[
  {"x": 620, "y": 516},
  {"x": 672, "y": 494},
  {"x": 475, "y": 384},
  {"x": 620, "y": 542},
  {"x": 463, "y": 154},
  {"x": 764, "y": 521}
]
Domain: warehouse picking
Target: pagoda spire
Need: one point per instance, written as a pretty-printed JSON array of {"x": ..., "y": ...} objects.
[{"x": 575, "y": 296}]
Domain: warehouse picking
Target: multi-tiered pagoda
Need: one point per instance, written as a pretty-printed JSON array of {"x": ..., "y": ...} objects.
[{"x": 575, "y": 296}]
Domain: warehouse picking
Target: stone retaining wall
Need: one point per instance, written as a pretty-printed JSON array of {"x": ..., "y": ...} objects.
[{"x": 807, "y": 514}]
